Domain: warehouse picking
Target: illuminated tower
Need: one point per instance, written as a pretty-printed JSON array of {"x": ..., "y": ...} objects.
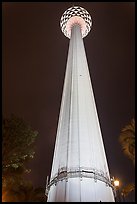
[{"x": 79, "y": 169}]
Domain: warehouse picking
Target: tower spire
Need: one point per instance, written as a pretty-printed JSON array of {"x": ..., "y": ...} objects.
[{"x": 79, "y": 169}]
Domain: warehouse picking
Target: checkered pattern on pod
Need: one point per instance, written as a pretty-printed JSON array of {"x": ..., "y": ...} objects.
[{"x": 75, "y": 11}]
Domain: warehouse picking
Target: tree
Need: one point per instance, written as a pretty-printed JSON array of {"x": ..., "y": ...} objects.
[
  {"x": 127, "y": 141},
  {"x": 24, "y": 192},
  {"x": 127, "y": 189},
  {"x": 18, "y": 144}
]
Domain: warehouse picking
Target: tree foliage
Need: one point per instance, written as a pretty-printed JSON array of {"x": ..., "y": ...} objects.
[
  {"x": 127, "y": 189},
  {"x": 127, "y": 140},
  {"x": 23, "y": 192},
  {"x": 18, "y": 145}
]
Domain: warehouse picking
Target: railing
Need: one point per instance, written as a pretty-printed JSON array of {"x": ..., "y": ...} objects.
[{"x": 64, "y": 174}]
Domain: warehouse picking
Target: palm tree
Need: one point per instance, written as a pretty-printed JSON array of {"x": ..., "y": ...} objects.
[{"x": 127, "y": 141}]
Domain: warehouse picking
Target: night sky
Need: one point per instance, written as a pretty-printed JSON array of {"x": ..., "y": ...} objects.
[{"x": 34, "y": 55}]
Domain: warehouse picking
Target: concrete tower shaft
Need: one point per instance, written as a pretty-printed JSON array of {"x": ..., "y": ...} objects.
[{"x": 79, "y": 169}]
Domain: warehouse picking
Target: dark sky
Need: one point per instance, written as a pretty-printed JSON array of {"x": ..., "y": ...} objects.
[{"x": 34, "y": 53}]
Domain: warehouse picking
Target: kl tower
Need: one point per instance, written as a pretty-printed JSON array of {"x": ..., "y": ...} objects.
[{"x": 79, "y": 170}]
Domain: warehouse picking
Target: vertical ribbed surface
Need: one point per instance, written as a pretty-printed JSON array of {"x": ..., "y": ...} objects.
[{"x": 79, "y": 141}]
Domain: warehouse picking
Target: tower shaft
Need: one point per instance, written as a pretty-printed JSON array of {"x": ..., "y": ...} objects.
[{"x": 79, "y": 170}]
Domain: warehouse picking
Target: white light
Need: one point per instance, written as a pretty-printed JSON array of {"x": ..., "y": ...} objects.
[{"x": 116, "y": 183}]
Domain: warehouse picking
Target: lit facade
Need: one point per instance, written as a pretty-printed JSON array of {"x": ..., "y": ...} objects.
[{"x": 79, "y": 170}]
